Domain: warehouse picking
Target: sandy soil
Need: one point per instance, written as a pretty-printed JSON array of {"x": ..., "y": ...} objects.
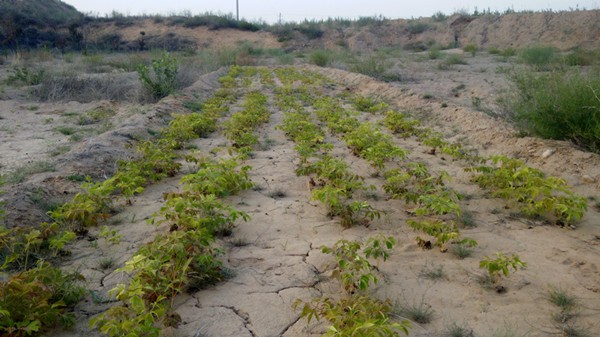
[{"x": 275, "y": 257}]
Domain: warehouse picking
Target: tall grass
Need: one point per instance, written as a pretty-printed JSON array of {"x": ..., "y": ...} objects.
[
  {"x": 558, "y": 105},
  {"x": 541, "y": 57}
]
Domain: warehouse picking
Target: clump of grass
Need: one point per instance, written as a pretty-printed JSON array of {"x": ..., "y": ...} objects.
[
  {"x": 461, "y": 251},
  {"x": 434, "y": 53},
  {"x": 106, "y": 263},
  {"x": 540, "y": 57},
  {"x": 65, "y": 130},
  {"x": 561, "y": 299},
  {"x": 454, "y": 59},
  {"x": 582, "y": 57},
  {"x": 557, "y": 105},
  {"x": 20, "y": 174},
  {"x": 433, "y": 272},
  {"x": 471, "y": 48},
  {"x": 572, "y": 330},
  {"x": 76, "y": 178},
  {"x": 467, "y": 219},
  {"x": 374, "y": 66},
  {"x": 419, "y": 312},
  {"x": 456, "y": 330},
  {"x": 321, "y": 58}
]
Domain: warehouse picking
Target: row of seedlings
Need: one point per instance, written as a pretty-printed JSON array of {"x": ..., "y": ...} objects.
[
  {"x": 185, "y": 258},
  {"x": 354, "y": 312},
  {"x": 37, "y": 295}
]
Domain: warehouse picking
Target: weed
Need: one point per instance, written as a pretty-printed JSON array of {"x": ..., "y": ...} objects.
[
  {"x": 434, "y": 53},
  {"x": 467, "y": 219},
  {"x": 461, "y": 251},
  {"x": 427, "y": 96},
  {"x": 541, "y": 57},
  {"x": 572, "y": 330},
  {"x": 509, "y": 330},
  {"x": 65, "y": 130},
  {"x": 494, "y": 50},
  {"x": 161, "y": 82},
  {"x": 321, "y": 58},
  {"x": 561, "y": 299},
  {"x": 456, "y": 330},
  {"x": 19, "y": 175},
  {"x": 374, "y": 66},
  {"x": 106, "y": 263},
  {"x": 454, "y": 59},
  {"x": 558, "y": 105},
  {"x": 59, "y": 150},
  {"x": 78, "y": 178},
  {"x": 433, "y": 272},
  {"x": 419, "y": 312},
  {"x": 39, "y": 197},
  {"x": 471, "y": 48},
  {"x": 25, "y": 76}
]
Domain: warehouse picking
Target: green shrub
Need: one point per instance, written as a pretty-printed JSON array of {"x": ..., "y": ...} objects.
[
  {"x": 454, "y": 59},
  {"x": 161, "y": 81},
  {"x": 558, "y": 105},
  {"x": 434, "y": 53},
  {"x": 540, "y": 57},
  {"x": 494, "y": 50},
  {"x": 25, "y": 76},
  {"x": 416, "y": 27},
  {"x": 374, "y": 66},
  {"x": 581, "y": 57},
  {"x": 471, "y": 48},
  {"x": 321, "y": 58}
]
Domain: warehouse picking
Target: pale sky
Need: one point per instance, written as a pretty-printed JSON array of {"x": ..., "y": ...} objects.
[{"x": 298, "y": 10}]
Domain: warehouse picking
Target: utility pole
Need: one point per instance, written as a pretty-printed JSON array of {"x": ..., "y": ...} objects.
[{"x": 237, "y": 9}]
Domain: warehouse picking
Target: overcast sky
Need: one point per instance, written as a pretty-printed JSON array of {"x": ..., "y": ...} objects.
[{"x": 298, "y": 10}]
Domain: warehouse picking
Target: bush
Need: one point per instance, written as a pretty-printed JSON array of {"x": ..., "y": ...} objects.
[
  {"x": 374, "y": 66},
  {"x": 581, "y": 57},
  {"x": 321, "y": 58},
  {"x": 558, "y": 105},
  {"x": 416, "y": 27},
  {"x": 161, "y": 82},
  {"x": 540, "y": 57},
  {"x": 471, "y": 48}
]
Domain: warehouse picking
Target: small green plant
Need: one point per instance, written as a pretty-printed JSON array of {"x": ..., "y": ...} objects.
[
  {"x": 433, "y": 272},
  {"x": 456, "y": 330},
  {"x": 453, "y": 59},
  {"x": 26, "y": 76},
  {"x": 471, "y": 48},
  {"x": 561, "y": 299},
  {"x": 462, "y": 251},
  {"x": 501, "y": 265},
  {"x": 419, "y": 311},
  {"x": 159, "y": 80},
  {"x": 321, "y": 58},
  {"x": 541, "y": 57}
]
